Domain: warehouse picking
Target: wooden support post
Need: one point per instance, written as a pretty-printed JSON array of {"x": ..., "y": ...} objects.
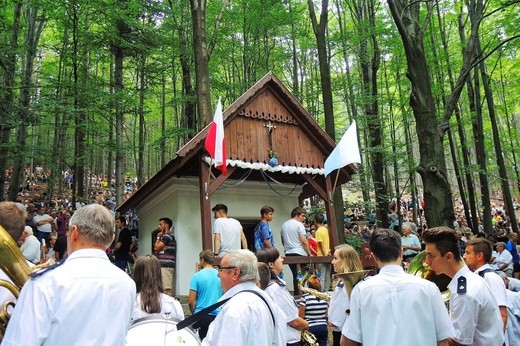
[
  {"x": 331, "y": 214},
  {"x": 205, "y": 208}
]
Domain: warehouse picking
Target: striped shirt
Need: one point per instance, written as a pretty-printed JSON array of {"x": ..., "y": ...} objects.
[{"x": 315, "y": 309}]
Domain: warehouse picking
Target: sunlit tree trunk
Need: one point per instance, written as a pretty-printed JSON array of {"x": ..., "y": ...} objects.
[
  {"x": 34, "y": 28},
  {"x": 7, "y": 115},
  {"x": 504, "y": 181},
  {"x": 198, "y": 13}
]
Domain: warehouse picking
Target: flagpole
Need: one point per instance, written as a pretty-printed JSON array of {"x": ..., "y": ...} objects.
[
  {"x": 335, "y": 182},
  {"x": 209, "y": 175}
]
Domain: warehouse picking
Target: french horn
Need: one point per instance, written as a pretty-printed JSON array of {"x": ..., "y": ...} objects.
[{"x": 15, "y": 267}]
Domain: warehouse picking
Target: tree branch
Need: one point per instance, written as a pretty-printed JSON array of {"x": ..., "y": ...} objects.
[
  {"x": 218, "y": 23},
  {"x": 450, "y": 104}
]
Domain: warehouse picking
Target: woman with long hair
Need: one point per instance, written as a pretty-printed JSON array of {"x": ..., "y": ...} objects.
[
  {"x": 345, "y": 260},
  {"x": 277, "y": 290},
  {"x": 151, "y": 298}
]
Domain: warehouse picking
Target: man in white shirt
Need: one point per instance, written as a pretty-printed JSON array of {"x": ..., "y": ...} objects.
[
  {"x": 229, "y": 234},
  {"x": 504, "y": 259},
  {"x": 294, "y": 240},
  {"x": 477, "y": 256},
  {"x": 44, "y": 223},
  {"x": 393, "y": 307},
  {"x": 249, "y": 316},
  {"x": 85, "y": 300},
  {"x": 473, "y": 309},
  {"x": 31, "y": 246}
]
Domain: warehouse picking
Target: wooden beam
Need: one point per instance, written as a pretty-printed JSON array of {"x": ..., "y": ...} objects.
[
  {"x": 220, "y": 180},
  {"x": 331, "y": 215},
  {"x": 317, "y": 187},
  {"x": 307, "y": 259},
  {"x": 205, "y": 208}
]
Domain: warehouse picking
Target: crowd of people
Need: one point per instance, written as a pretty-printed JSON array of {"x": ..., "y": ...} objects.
[{"x": 239, "y": 297}]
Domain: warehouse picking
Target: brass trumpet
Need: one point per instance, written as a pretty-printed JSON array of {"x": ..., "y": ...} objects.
[{"x": 15, "y": 267}]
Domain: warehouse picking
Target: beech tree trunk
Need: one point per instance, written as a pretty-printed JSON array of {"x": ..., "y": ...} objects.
[
  {"x": 198, "y": 13},
  {"x": 326, "y": 90},
  {"x": 7, "y": 116},
  {"x": 504, "y": 181},
  {"x": 34, "y": 29},
  {"x": 432, "y": 165}
]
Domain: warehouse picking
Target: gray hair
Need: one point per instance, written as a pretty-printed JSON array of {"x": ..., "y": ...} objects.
[
  {"x": 28, "y": 230},
  {"x": 95, "y": 223},
  {"x": 246, "y": 261},
  {"x": 410, "y": 225}
]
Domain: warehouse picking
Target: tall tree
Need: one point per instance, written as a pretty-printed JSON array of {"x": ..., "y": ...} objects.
[
  {"x": 320, "y": 31},
  {"x": 471, "y": 213},
  {"x": 8, "y": 62},
  {"x": 504, "y": 181},
  {"x": 118, "y": 49},
  {"x": 364, "y": 16},
  {"x": 34, "y": 21},
  {"x": 198, "y": 13},
  {"x": 430, "y": 128}
]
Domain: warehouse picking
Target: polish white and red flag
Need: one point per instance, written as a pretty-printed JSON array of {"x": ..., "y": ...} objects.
[{"x": 215, "y": 142}]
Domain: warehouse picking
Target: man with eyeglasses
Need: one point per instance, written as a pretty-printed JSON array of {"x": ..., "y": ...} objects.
[
  {"x": 247, "y": 317},
  {"x": 294, "y": 240}
]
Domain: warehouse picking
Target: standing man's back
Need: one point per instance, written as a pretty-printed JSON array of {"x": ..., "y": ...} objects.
[
  {"x": 393, "y": 307},
  {"x": 229, "y": 234},
  {"x": 294, "y": 240},
  {"x": 85, "y": 301}
]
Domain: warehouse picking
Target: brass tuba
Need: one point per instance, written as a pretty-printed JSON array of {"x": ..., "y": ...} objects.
[
  {"x": 15, "y": 267},
  {"x": 351, "y": 279}
]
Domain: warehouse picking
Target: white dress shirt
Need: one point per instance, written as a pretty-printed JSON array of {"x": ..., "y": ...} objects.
[
  {"x": 245, "y": 320},
  {"x": 475, "y": 314},
  {"x": 85, "y": 301},
  {"x": 397, "y": 308}
]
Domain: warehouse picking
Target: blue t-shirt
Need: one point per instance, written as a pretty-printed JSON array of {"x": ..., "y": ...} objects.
[
  {"x": 511, "y": 247},
  {"x": 207, "y": 285},
  {"x": 262, "y": 232}
]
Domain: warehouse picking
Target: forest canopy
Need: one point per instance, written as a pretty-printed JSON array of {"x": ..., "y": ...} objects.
[{"x": 115, "y": 88}]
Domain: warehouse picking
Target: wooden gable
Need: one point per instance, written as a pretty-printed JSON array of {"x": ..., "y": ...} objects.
[
  {"x": 247, "y": 135},
  {"x": 297, "y": 139}
]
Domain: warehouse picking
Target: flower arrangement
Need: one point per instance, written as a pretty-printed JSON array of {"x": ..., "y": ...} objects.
[{"x": 273, "y": 158}]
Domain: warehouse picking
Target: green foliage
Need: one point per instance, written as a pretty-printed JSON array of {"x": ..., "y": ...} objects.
[
  {"x": 252, "y": 38},
  {"x": 315, "y": 209}
]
